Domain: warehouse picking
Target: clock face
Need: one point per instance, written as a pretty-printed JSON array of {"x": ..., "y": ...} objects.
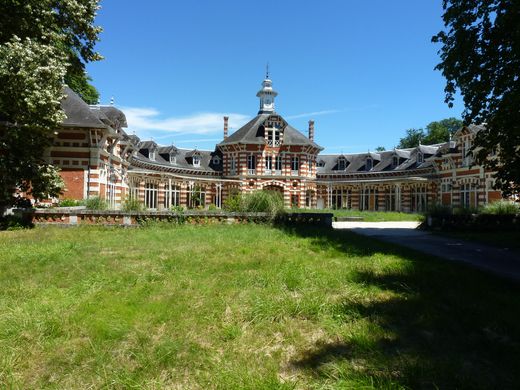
[{"x": 267, "y": 102}]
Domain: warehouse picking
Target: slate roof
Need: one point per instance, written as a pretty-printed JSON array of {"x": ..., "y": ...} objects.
[
  {"x": 382, "y": 161},
  {"x": 78, "y": 112},
  {"x": 253, "y": 133},
  {"x": 183, "y": 157}
]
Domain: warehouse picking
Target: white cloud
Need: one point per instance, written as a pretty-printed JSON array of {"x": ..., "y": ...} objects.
[
  {"x": 150, "y": 121},
  {"x": 333, "y": 111},
  {"x": 315, "y": 113}
]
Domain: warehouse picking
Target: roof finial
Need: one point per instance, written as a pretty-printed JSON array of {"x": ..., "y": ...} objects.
[
  {"x": 267, "y": 70},
  {"x": 112, "y": 101}
]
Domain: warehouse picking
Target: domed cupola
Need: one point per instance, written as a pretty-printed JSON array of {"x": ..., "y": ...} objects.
[{"x": 267, "y": 95}]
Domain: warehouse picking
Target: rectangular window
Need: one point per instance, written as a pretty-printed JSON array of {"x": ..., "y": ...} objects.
[
  {"x": 172, "y": 195},
  {"x": 295, "y": 165},
  {"x": 251, "y": 164},
  {"x": 368, "y": 165},
  {"x": 268, "y": 164},
  {"x": 197, "y": 197},
  {"x": 233, "y": 166},
  {"x": 278, "y": 165},
  {"x": 150, "y": 195}
]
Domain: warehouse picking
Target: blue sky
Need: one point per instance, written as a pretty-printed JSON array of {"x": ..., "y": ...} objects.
[{"x": 363, "y": 70}]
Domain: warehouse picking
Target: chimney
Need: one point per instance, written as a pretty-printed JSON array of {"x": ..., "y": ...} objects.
[
  {"x": 226, "y": 119},
  {"x": 311, "y": 130}
]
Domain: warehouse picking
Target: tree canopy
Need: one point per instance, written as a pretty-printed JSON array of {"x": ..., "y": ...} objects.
[
  {"x": 42, "y": 44},
  {"x": 480, "y": 57},
  {"x": 436, "y": 132}
]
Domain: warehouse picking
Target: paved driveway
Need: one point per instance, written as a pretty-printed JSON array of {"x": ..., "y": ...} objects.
[{"x": 500, "y": 261}]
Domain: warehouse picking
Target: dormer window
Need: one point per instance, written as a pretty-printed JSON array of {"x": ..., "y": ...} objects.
[
  {"x": 151, "y": 155},
  {"x": 342, "y": 164},
  {"x": 395, "y": 161},
  {"x": 196, "y": 161},
  {"x": 173, "y": 159},
  {"x": 215, "y": 160},
  {"x": 420, "y": 158},
  {"x": 369, "y": 164},
  {"x": 321, "y": 163}
]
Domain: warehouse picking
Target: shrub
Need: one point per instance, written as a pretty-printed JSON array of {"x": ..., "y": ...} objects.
[
  {"x": 96, "y": 203},
  {"x": 439, "y": 210},
  {"x": 70, "y": 203},
  {"x": 132, "y": 204},
  {"x": 14, "y": 222},
  {"x": 501, "y": 207},
  {"x": 270, "y": 202},
  {"x": 234, "y": 203},
  {"x": 177, "y": 209}
]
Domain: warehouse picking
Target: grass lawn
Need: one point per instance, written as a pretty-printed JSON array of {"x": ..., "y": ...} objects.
[
  {"x": 368, "y": 216},
  {"x": 246, "y": 307}
]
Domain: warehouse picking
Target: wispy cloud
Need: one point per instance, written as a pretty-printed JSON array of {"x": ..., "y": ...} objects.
[
  {"x": 151, "y": 121},
  {"x": 332, "y": 111},
  {"x": 315, "y": 113}
]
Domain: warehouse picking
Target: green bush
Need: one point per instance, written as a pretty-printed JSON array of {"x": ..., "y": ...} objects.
[
  {"x": 96, "y": 203},
  {"x": 132, "y": 204},
  {"x": 177, "y": 209},
  {"x": 439, "y": 210},
  {"x": 14, "y": 222},
  {"x": 234, "y": 203},
  {"x": 70, "y": 203},
  {"x": 256, "y": 202},
  {"x": 501, "y": 207}
]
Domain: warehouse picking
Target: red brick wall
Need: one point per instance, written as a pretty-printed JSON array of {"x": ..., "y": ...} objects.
[{"x": 74, "y": 183}]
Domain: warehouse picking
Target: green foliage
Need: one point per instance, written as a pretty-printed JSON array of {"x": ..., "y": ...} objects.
[
  {"x": 132, "y": 204},
  {"x": 234, "y": 203},
  {"x": 71, "y": 203},
  {"x": 177, "y": 209},
  {"x": 41, "y": 43},
  {"x": 14, "y": 222},
  {"x": 96, "y": 203},
  {"x": 480, "y": 59},
  {"x": 441, "y": 131},
  {"x": 501, "y": 207},
  {"x": 436, "y": 133},
  {"x": 256, "y": 202},
  {"x": 412, "y": 138},
  {"x": 438, "y": 210},
  {"x": 380, "y": 149}
]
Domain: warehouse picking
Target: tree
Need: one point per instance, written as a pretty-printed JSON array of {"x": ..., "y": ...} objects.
[
  {"x": 380, "y": 149},
  {"x": 480, "y": 57},
  {"x": 441, "y": 131},
  {"x": 436, "y": 132},
  {"x": 412, "y": 138},
  {"x": 42, "y": 43}
]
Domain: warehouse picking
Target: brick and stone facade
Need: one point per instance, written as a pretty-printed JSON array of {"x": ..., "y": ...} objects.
[{"x": 98, "y": 158}]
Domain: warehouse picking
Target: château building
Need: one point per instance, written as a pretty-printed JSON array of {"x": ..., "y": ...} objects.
[{"x": 97, "y": 157}]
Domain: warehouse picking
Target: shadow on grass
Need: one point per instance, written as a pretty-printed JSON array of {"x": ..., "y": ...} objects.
[{"x": 442, "y": 325}]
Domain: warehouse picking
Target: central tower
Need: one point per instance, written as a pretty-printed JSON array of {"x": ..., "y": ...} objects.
[{"x": 267, "y": 95}]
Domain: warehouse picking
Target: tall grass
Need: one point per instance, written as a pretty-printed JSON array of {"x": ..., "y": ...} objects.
[
  {"x": 270, "y": 202},
  {"x": 501, "y": 207}
]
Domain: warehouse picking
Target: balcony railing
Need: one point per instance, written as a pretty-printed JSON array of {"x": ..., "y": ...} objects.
[
  {"x": 294, "y": 172},
  {"x": 251, "y": 171}
]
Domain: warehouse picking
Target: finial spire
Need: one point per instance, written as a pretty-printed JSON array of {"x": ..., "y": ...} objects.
[{"x": 267, "y": 70}]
